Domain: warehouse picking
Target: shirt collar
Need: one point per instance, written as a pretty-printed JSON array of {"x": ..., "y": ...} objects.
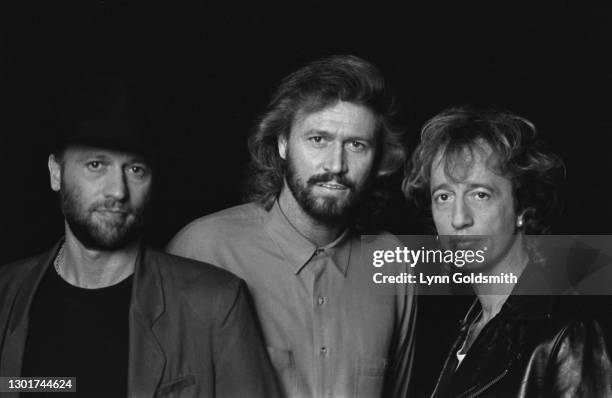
[{"x": 298, "y": 250}]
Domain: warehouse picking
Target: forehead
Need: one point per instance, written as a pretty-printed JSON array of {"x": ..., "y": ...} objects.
[
  {"x": 475, "y": 165},
  {"x": 344, "y": 118},
  {"x": 80, "y": 153}
]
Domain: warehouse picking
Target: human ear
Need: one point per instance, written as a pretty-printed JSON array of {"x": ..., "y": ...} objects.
[
  {"x": 55, "y": 173},
  {"x": 520, "y": 220},
  {"x": 282, "y": 146}
]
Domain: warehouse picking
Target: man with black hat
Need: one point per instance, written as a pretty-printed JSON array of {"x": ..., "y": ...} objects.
[{"x": 124, "y": 319}]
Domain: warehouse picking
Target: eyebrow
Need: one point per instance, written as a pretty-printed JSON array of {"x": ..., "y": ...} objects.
[
  {"x": 323, "y": 133},
  {"x": 106, "y": 157},
  {"x": 92, "y": 155},
  {"x": 139, "y": 159},
  {"x": 440, "y": 186},
  {"x": 470, "y": 186},
  {"x": 480, "y": 185}
]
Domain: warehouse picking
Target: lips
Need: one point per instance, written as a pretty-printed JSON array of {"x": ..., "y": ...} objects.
[
  {"x": 332, "y": 185},
  {"x": 113, "y": 212},
  {"x": 331, "y": 181}
]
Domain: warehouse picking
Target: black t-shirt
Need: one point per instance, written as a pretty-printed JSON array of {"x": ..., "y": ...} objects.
[{"x": 82, "y": 333}]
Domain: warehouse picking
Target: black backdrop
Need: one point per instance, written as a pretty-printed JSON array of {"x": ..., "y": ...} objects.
[{"x": 208, "y": 69}]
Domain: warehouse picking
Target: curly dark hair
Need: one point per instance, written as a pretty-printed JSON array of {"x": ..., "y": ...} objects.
[
  {"x": 318, "y": 85},
  {"x": 535, "y": 173}
]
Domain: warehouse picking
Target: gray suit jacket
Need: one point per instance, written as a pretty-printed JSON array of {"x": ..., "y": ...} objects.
[{"x": 192, "y": 329}]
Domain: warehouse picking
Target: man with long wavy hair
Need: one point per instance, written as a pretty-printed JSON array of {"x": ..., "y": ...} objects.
[{"x": 318, "y": 153}]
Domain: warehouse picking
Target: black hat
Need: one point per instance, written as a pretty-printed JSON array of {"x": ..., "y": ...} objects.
[
  {"x": 119, "y": 134},
  {"x": 104, "y": 112}
]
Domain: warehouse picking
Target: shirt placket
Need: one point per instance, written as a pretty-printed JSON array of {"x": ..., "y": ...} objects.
[{"x": 324, "y": 350}]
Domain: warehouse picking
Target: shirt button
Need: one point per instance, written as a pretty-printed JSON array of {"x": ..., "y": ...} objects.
[
  {"x": 319, "y": 251},
  {"x": 321, "y": 300},
  {"x": 323, "y": 351}
]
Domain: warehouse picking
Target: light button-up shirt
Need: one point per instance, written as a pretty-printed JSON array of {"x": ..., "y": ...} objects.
[{"x": 330, "y": 331}]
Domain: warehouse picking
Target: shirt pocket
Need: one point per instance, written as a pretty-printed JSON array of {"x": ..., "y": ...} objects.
[
  {"x": 284, "y": 365},
  {"x": 370, "y": 377}
]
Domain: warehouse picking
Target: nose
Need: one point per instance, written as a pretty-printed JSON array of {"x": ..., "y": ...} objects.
[
  {"x": 335, "y": 161},
  {"x": 116, "y": 184},
  {"x": 462, "y": 215}
]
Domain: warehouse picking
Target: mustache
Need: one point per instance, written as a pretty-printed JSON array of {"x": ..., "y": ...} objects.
[
  {"x": 327, "y": 177},
  {"x": 112, "y": 205},
  {"x": 460, "y": 242}
]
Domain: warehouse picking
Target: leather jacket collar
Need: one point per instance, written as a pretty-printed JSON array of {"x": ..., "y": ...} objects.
[{"x": 504, "y": 341}]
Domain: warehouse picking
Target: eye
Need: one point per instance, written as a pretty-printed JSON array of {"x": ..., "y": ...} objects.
[
  {"x": 356, "y": 146},
  {"x": 138, "y": 171},
  {"x": 318, "y": 141},
  {"x": 94, "y": 165},
  {"x": 480, "y": 195},
  {"x": 442, "y": 197}
]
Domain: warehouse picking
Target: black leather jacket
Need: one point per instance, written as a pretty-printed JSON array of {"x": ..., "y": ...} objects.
[{"x": 536, "y": 346}]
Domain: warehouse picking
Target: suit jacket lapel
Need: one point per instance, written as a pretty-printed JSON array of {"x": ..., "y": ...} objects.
[
  {"x": 14, "y": 344},
  {"x": 146, "y": 358}
]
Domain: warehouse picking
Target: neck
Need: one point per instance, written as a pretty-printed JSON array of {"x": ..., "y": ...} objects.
[
  {"x": 318, "y": 233},
  {"x": 493, "y": 296},
  {"x": 94, "y": 269}
]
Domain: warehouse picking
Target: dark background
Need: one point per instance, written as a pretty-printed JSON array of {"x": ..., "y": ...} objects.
[{"x": 208, "y": 69}]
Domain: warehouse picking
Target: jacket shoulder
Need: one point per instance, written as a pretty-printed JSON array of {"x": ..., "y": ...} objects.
[
  {"x": 579, "y": 341},
  {"x": 183, "y": 271},
  {"x": 13, "y": 275},
  {"x": 17, "y": 269},
  {"x": 209, "y": 291}
]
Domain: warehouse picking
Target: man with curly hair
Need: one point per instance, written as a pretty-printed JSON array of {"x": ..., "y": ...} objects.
[
  {"x": 318, "y": 153},
  {"x": 489, "y": 183}
]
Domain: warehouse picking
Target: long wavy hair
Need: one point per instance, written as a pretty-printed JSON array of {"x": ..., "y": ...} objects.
[
  {"x": 318, "y": 85},
  {"x": 536, "y": 173}
]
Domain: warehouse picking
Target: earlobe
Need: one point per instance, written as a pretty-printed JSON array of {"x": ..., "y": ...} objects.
[
  {"x": 282, "y": 146},
  {"x": 520, "y": 220},
  {"x": 55, "y": 173}
]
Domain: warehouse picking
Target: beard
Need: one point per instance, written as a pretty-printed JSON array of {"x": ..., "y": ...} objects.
[
  {"x": 119, "y": 226},
  {"x": 329, "y": 211}
]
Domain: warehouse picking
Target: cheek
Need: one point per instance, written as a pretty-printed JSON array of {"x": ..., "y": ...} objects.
[
  {"x": 303, "y": 160},
  {"x": 142, "y": 193},
  {"x": 360, "y": 167},
  {"x": 504, "y": 219},
  {"x": 301, "y": 149},
  {"x": 77, "y": 192}
]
